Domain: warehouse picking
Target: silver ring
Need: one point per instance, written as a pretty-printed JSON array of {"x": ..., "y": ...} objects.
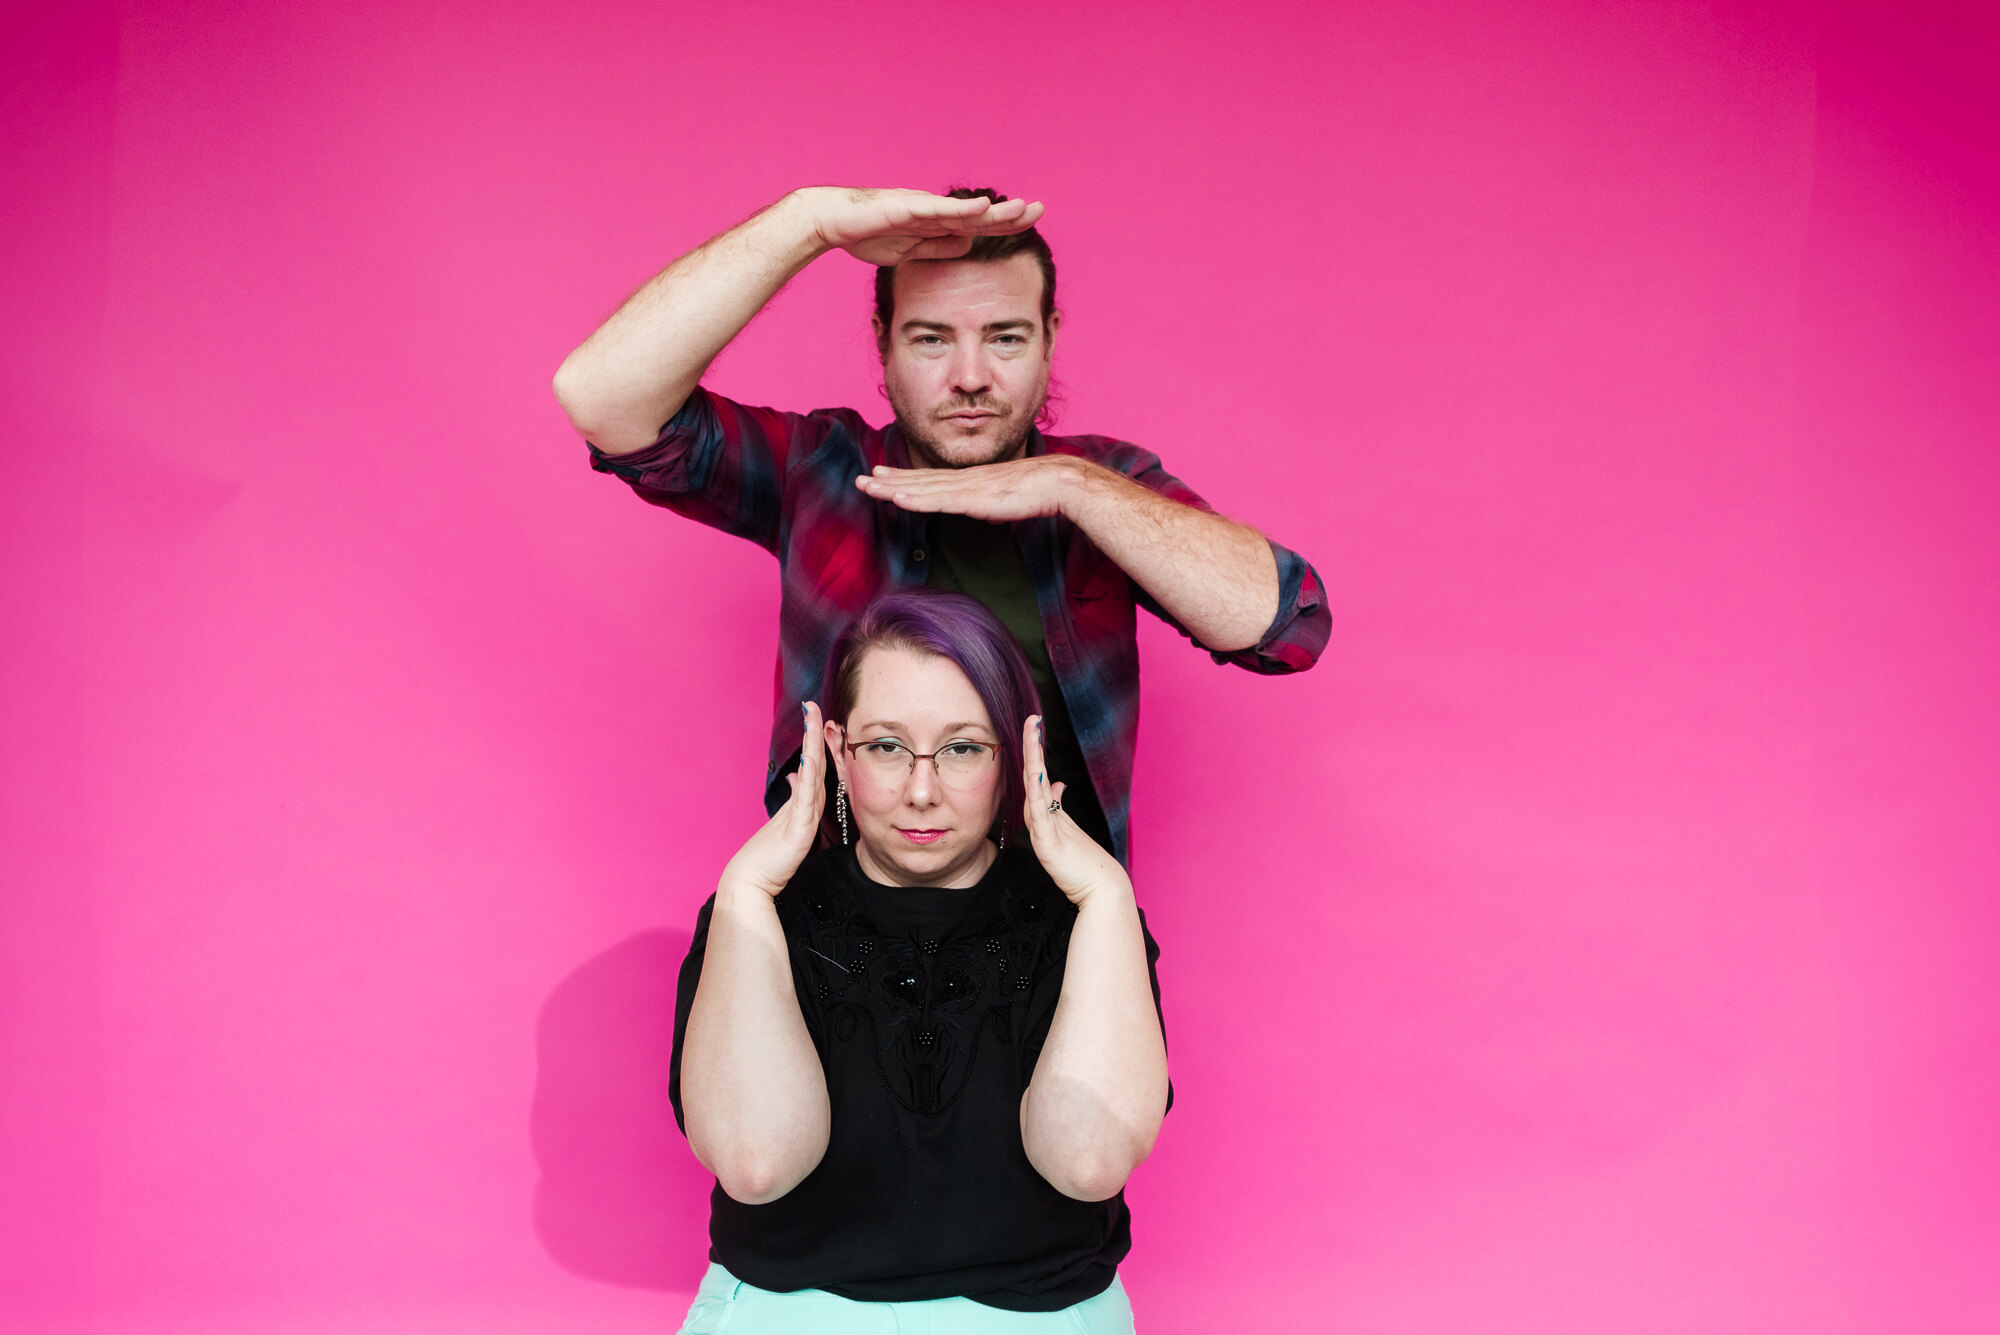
[{"x": 1055, "y": 805}]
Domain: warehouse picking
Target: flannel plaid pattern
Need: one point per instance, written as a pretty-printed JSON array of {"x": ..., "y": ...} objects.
[{"x": 785, "y": 481}]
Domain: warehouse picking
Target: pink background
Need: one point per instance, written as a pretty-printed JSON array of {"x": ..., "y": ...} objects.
[{"x": 1603, "y": 937}]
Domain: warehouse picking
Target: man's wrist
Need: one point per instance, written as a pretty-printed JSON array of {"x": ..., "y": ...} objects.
[
  {"x": 801, "y": 213},
  {"x": 1083, "y": 489}
]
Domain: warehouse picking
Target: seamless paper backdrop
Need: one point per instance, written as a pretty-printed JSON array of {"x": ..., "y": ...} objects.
[{"x": 1601, "y": 939}]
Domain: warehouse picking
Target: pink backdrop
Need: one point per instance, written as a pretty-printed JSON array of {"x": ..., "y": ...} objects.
[{"x": 1602, "y": 939}]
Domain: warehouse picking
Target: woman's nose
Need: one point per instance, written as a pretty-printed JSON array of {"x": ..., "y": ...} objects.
[{"x": 922, "y": 787}]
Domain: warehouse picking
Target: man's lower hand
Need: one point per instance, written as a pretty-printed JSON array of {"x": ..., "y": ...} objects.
[{"x": 996, "y": 493}]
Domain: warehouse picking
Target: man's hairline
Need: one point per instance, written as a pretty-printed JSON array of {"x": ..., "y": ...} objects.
[{"x": 1045, "y": 324}]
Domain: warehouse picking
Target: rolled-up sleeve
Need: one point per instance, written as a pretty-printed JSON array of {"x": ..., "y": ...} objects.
[
  {"x": 719, "y": 462},
  {"x": 1298, "y": 634}
]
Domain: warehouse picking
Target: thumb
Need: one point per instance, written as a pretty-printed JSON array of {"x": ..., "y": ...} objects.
[{"x": 941, "y": 248}]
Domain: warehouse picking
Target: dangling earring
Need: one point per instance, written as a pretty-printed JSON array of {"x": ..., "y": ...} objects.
[
  {"x": 1003, "y": 838},
  {"x": 840, "y": 810}
]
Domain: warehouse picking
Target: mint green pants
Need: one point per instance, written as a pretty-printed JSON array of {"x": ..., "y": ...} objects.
[{"x": 725, "y": 1303}]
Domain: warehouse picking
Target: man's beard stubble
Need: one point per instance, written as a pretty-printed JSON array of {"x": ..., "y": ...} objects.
[{"x": 930, "y": 450}]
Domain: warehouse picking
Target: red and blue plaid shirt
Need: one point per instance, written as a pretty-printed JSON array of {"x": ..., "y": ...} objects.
[{"x": 786, "y": 482}]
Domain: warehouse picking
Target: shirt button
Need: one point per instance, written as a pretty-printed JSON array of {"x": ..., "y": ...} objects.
[{"x": 917, "y": 555}]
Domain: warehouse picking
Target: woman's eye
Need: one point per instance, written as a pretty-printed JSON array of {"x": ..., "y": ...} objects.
[
  {"x": 882, "y": 748},
  {"x": 966, "y": 750}
]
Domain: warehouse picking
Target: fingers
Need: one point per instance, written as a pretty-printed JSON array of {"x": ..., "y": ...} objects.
[
  {"x": 1034, "y": 779},
  {"x": 992, "y": 492},
  {"x": 808, "y": 780},
  {"x": 975, "y": 216},
  {"x": 951, "y": 247},
  {"x": 890, "y": 226}
]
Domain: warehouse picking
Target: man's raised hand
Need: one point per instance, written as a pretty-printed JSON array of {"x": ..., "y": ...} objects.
[{"x": 885, "y": 227}]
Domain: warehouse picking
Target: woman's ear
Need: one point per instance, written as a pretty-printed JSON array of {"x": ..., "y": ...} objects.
[{"x": 835, "y": 735}]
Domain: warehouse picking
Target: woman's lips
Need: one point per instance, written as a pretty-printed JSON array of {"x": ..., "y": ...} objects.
[{"x": 922, "y": 836}]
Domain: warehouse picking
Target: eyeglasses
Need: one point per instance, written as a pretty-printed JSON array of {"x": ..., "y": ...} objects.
[{"x": 959, "y": 764}]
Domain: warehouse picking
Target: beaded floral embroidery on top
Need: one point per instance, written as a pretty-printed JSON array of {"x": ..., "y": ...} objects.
[{"x": 927, "y": 1007}]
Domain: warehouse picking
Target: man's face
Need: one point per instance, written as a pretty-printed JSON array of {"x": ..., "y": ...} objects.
[{"x": 967, "y": 363}]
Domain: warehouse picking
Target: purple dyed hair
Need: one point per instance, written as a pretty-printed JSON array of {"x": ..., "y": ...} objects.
[{"x": 963, "y": 632}]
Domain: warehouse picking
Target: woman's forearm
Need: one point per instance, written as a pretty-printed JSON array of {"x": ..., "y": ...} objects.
[
  {"x": 1099, "y": 1091},
  {"x": 752, "y": 1089}
]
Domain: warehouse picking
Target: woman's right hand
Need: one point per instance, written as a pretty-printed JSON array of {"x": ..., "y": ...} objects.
[
  {"x": 772, "y": 856},
  {"x": 1077, "y": 863}
]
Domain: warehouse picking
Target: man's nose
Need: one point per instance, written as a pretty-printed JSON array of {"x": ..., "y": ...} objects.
[{"x": 971, "y": 373}]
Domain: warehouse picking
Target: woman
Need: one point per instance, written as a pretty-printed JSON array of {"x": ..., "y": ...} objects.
[{"x": 923, "y": 1061}]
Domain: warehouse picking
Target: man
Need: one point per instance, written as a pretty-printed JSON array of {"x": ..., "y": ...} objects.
[{"x": 1060, "y": 536}]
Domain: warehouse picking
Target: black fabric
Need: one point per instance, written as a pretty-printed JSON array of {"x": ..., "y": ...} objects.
[
  {"x": 974, "y": 557},
  {"x": 929, "y": 1008}
]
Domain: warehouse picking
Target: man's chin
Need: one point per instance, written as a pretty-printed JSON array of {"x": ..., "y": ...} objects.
[{"x": 963, "y": 449}]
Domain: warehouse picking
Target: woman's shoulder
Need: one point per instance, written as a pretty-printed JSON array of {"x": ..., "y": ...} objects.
[
  {"x": 1025, "y": 892},
  {"x": 821, "y": 891},
  {"x": 822, "y": 864}
]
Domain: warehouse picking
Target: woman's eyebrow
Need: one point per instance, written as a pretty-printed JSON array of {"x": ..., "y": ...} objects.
[{"x": 890, "y": 725}]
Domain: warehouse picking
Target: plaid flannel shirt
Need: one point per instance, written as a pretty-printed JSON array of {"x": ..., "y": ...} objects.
[{"x": 785, "y": 481}]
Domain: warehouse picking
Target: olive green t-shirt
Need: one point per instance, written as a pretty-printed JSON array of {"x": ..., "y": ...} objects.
[{"x": 973, "y": 557}]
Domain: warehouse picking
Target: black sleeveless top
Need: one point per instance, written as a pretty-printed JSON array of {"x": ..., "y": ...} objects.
[{"x": 929, "y": 1008}]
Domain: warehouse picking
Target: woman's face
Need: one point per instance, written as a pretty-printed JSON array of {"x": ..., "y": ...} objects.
[{"x": 913, "y": 827}]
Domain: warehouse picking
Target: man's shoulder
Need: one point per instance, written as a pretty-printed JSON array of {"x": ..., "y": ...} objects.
[{"x": 820, "y": 424}]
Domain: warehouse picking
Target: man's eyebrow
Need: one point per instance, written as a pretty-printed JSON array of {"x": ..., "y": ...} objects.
[{"x": 940, "y": 327}]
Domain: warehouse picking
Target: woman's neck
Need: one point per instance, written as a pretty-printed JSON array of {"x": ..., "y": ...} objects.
[{"x": 958, "y": 876}]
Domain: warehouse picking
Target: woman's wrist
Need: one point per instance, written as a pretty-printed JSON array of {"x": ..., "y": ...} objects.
[
  {"x": 1107, "y": 898},
  {"x": 736, "y": 889}
]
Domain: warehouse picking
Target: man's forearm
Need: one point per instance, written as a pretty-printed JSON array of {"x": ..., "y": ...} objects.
[
  {"x": 637, "y": 370},
  {"x": 1214, "y": 576}
]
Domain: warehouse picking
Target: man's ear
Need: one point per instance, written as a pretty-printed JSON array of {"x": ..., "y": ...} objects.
[
  {"x": 1049, "y": 327},
  {"x": 881, "y": 335}
]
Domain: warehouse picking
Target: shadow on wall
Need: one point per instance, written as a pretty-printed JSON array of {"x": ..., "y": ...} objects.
[{"x": 621, "y": 1198}]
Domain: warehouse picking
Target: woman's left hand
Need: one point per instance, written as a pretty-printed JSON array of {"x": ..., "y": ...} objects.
[{"x": 1077, "y": 863}]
